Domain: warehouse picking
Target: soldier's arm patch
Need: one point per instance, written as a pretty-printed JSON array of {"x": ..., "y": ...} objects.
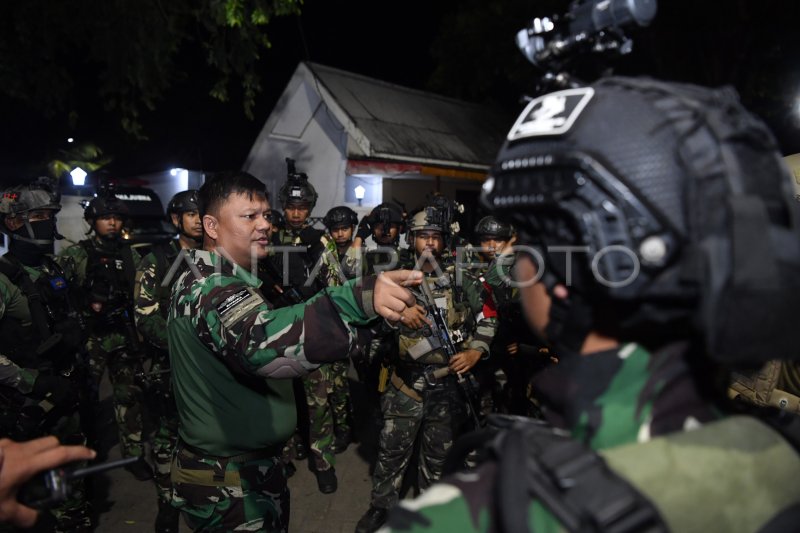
[{"x": 238, "y": 306}]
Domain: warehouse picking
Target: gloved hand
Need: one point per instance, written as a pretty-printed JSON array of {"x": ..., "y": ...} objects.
[
  {"x": 56, "y": 389},
  {"x": 365, "y": 226}
]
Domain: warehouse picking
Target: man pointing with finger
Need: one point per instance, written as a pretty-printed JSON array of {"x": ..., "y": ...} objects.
[{"x": 227, "y": 348}]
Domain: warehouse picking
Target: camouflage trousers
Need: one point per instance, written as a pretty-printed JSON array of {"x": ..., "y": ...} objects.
[
  {"x": 217, "y": 494},
  {"x": 436, "y": 420},
  {"x": 110, "y": 351},
  {"x": 327, "y": 396},
  {"x": 166, "y": 435}
]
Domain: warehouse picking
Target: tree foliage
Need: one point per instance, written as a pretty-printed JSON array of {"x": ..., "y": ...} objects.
[{"x": 130, "y": 52}]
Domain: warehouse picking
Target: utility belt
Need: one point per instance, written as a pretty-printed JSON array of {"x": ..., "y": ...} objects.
[
  {"x": 405, "y": 377},
  {"x": 264, "y": 453},
  {"x": 217, "y": 475}
]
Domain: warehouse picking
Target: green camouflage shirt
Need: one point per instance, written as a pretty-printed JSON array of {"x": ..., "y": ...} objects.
[
  {"x": 151, "y": 321},
  {"x": 14, "y": 305},
  {"x": 607, "y": 399},
  {"x": 225, "y": 339}
]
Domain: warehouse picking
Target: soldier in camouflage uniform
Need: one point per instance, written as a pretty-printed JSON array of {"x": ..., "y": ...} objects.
[
  {"x": 385, "y": 223},
  {"x": 341, "y": 223},
  {"x": 151, "y": 306},
  {"x": 105, "y": 267},
  {"x": 515, "y": 349},
  {"x": 313, "y": 265},
  {"x": 666, "y": 172},
  {"x": 232, "y": 355},
  {"x": 41, "y": 336},
  {"x": 423, "y": 401}
]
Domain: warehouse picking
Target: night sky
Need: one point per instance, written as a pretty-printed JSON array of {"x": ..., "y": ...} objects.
[{"x": 749, "y": 44}]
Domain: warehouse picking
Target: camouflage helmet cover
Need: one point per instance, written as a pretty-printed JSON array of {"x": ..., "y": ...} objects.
[
  {"x": 39, "y": 194},
  {"x": 429, "y": 218}
]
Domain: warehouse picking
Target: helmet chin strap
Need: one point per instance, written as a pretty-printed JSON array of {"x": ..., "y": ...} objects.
[{"x": 182, "y": 231}]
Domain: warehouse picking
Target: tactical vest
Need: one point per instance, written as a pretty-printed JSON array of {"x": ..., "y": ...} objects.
[
  {"x": 420, "y": 346},
  {"x": 165, "y": 254},
  {"x": 109, "y": 282},
  {"x": 771, "y": 386},
  {"x": 52, "y": 338},
  {"x": 301, "y": 264}
]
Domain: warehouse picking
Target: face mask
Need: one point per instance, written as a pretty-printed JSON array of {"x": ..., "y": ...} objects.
[{"x": 32, "y": 241}]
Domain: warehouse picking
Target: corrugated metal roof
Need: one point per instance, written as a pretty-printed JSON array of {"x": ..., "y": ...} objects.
[{"x": 406, "y": 123}]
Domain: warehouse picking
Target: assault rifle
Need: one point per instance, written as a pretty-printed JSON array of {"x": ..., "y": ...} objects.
[{"x": 439, "y": 329}]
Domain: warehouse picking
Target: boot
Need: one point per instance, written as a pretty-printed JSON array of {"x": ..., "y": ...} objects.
[
  {"x": 341, "y": 441},
  {"x": 372, "y": 520},
  {"x": 300, "y": 450},
  {"x": 140, "y": 469},
  {"x": 326, "y": 481},
  {"x": 167, "y": 518},
  {"x": 290, "y": 469}
]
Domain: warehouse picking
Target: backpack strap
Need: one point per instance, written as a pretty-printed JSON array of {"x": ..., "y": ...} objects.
[{"x": 572, "y": 481}]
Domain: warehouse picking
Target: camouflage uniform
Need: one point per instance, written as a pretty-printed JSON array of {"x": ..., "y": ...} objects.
[
  {"x": 434, "y": 412},
  {"x": 39, "y": 394},
  {"x": 112, "y": 341},
  {"x": 151, "y": 305},
  {"x": 609, "y": 400},
  {"x": 378, "y": 340},
  {"x": 531, "y": 356},
  {"x": 326, "y": 388},
  {"x": 226, "y": 345}
]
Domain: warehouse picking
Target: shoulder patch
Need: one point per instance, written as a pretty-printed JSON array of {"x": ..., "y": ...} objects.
[
  {"x": 551, "y": 114},
  {"x": 238, "y": 305}
]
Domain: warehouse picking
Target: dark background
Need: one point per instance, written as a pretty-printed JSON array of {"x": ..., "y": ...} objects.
[{"x": 461, "y": 48}]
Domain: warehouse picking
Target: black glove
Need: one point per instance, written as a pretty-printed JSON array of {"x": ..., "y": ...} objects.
[
  {"x": 57, "y": 390},
  {"x": 365, "y": 227}
]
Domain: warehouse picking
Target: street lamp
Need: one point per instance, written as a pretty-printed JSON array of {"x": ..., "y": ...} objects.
[
  {"x": 360, "y": 192},
  {"x": 78, "y": 176}
]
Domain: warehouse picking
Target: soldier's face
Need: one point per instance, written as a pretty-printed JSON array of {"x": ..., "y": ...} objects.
[
  {"x": 296, "y": 215},
  {"x": 493, "y": 246},
  {"x": 108, "y": 225},
  {"x": 240, "y": 229},
  {"x": 190, "y": 224},
  {"x": 382, "y": 237},
  {"x": 428, "y": 243},
  {"x": 342, "y": 235}
]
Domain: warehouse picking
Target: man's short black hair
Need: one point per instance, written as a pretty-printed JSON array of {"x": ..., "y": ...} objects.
[{"x": 215, "y": 191}]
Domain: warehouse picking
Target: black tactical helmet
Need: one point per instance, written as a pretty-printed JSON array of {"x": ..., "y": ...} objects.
[
  {"x": 681, "y": 201},
  {"x": 388, "y": 213},
  {"x": 41, "y": 193},
  {"x": 491, "y": 227},
  {"x": 104, "y": 205},
  {"x": 183, "y": 202},
  {"x": 297, "y": 189},
  {"x": 340, "y": 216}
]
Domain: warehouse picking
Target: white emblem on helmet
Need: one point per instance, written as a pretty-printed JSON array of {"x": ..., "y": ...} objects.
[{"x": 551, "y": 114}]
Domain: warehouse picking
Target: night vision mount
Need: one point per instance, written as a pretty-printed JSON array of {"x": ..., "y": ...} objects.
[{"x": 588, "y": 27}]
